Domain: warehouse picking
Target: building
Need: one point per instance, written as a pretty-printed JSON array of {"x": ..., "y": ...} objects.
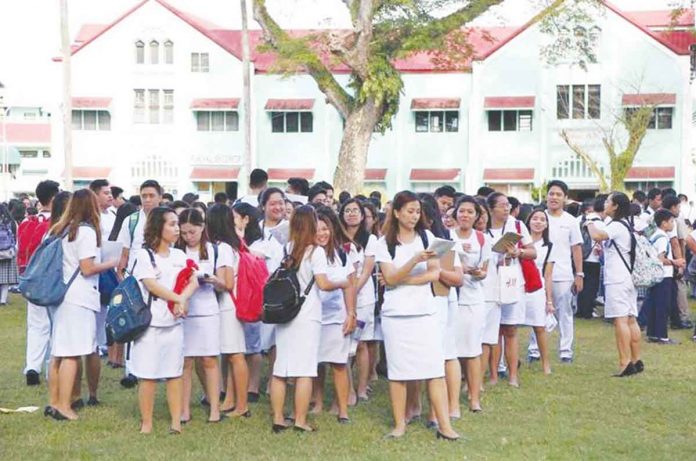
[{"x": 156, "y": 94}]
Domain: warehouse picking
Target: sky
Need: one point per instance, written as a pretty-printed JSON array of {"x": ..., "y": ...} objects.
[{"x": 30, "y": 29}]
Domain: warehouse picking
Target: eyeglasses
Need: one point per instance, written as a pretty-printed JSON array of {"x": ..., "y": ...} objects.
[
  {"x": 503, "y": 205},
  {"x": 351, "y": 211}
]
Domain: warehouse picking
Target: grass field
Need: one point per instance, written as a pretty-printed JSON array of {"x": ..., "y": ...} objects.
[{"x": 579, "y": 412}]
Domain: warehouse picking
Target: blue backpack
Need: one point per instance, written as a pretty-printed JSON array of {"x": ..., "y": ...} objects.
[
  {"x": 42, "y": 281},
  {"x": 128, "y": 315}
]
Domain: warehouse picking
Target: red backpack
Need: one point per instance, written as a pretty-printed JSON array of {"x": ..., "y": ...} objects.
[
  {"x": 29, "y": 235},
  {"x": 252, "y": 275}
]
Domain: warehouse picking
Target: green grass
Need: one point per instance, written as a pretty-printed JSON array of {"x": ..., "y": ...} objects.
[{"x": 577, "y": 413}]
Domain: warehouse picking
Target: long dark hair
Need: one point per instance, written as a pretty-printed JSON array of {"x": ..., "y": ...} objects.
[
  {"x": 194, "y": 217},
  {"x": 338, "y": 232},
  {"x": 154, "y": 226},
  {"x": 82, "y": 208},
  {"x": 545, "y": 234},
  {"x": 623, "y": 205},
  {"x": 58, "y": 206},
  {"x": 221, "y": 226},
  {"x": 122, "y": 213},
  {"x": 369, "y": 205},
  {"x": 431, "y": 210},
  {"x": 391, "y": 224},
  {"x": 303, "y": 231},
  {"x": 362, "y": 235},
  {"x": 252, "y": 232}
]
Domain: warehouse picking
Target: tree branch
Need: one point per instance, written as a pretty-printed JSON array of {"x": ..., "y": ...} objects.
[
  {"x": 587, "y": 159},
  {"x": 297, "y": 50}
]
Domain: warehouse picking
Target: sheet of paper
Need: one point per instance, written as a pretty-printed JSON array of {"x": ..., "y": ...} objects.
[
  {"x": 440, "y": 246},
  {"x": 303, "y": 199},
  {"x": 281, "y": 232},
  {"x": 446, "y": 263},
  {"x": 509, "y": 237},
  {"x": 111, "y": 251}
]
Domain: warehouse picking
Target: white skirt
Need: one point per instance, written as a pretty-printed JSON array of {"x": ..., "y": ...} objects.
[
  {"x": 491, "y": 327},
  {"x": 366, "y": 314},
  {"x": 159, "y": 353},
  {"x": 449, "y": 330},
  {"x": 535, "y": 312},
  {"x": 333, "y": 346},
  {"x": 74, "y": 331},
  {"x": 470, "y": 321},
  {"x": 513, "y": 314},
  {"x": 413, "y": 345},
  {"x": 297, "y": 348},
  {"x": 231, "y": 328},
  {"x": 620, "y": 300},
  {"x": 201, "y": 336}
]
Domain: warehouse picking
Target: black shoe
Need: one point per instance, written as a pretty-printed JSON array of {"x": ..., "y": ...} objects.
[
  {"x": 129, "y": 381},
  {"x": 33, "y": 378},
  {"x": 343, "y": 420},
  {"x": 532, "y": 359},
  {"x": 252, "y": 397},
  {"x": 204, "y": 401},
  {"x": 48, "y": 410},
  {"x": 93, "y": 402},
  {"x": 566, "y": 360},
  {"x": 441, "y": 436},
  {"x": 277, "y": 428},
  {"x": 228, "y": 410},
  {"x": 58, "y": 416},
  {"x": 628, "y": 371},
  {"x": 431, "y": 425},
  {"x": 639, "y": 366},
  {"x": 77, "y": 405}
]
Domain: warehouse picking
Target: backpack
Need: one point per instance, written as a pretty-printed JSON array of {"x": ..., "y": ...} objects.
[
  {"x": 645, "y": 268},
  {"x": 29, "y": 235},
  {"x": 128, "y": 315},
  {"x": 587, "y": 242},
  {"x": 282, "y": 295},
  {"x": 132, "y": 224},
  {"x": 252, "y": 275},
  {"x": 42, "y": 281},
  {"x": 7, "y": 236}
]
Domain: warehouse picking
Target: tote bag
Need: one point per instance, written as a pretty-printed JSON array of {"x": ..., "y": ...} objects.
[{"x": 509, "y": 281}]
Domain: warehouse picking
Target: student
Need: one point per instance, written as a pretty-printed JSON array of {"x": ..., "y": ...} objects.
[
  {"x": 470, "y": 315},
  {"x": 412, "y": 334},
  {"x": 445, "y": 198},
  {"x": 258, "y": 181},
  {"x": 159, "y": 353},
  {"x": 338, "y": 316},
  {"x": 621, "y": 298},
  {"x": 119, "y": 200},
  {"x": 511, "y": 314},
  {"x": 317, "y": 195},
  {"x": 540, "y": 303},
  {"x": 297, "y": 342},
  {"x": 202, "y": 324},
  {"x": 591, "y": 265},
  {"x": 232, "y": 343},
  {"x": 8, "y": 266},
  {"x": 298, "y": 186},
  {"x": 74, "y": 324}
]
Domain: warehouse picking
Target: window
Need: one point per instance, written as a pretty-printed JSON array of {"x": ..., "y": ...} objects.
[
  {"x": 153, "y": 106},
  {"x": 47, "y": 154},
  {"x": 292, "y": 122},
  {"x": 582, "y": 101},
  {"x": 168, "y": 107},
  {"x": 217, "y": 121},
  {"x": 139, "y": 52},
  {"x": 437, "y": 121},
  {"x": 692, "y": 60},
  {"x": 154, "y": 52},
  {"x": 139, "y": 106},
  {"x": 90, "y": 120},
  {"x": 169, "y": 52},
  {"x": 661, "y": 118},
  {"x": 199, "y": 62},
  {"x": 28, "y": 153},
  {"x": 510, "y": 120}
]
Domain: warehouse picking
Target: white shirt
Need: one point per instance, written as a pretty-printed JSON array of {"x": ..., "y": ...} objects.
[
  {"x": 597, "y": 248},
  {"x": 615, "y": 271},
  {"x": 251, "y": 199},
  {"x": 471, "y": 293},
  {"x": 106, "y": 223},
  {"x": 333, "y": 304},
  {"x": 499, "y": 258},
  {"x": 541, "y": 252},
  {"x": 227, "y": 257},
  {"x": 84, "y": 291},
  {"x": 124, "y": 236},
  {"x": 204, "y": 300},
  {"x": 366, "y": 295},
  {"x": 165, "y": 273},
  {"x": 564, "y": 233},
  {"x": 313, "y": 262},
  {"x": 660, "y": 241}
]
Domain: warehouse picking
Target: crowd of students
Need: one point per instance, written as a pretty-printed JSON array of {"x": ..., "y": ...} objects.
[{"x": 375, "y": 289}]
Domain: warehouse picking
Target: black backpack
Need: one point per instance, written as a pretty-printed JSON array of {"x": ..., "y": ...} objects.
[
  {"x": 587, "y": 242},
  {"x": 282, "y": 295}
]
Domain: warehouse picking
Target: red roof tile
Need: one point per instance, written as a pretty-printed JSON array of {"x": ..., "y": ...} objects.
[
  {"x": 215, "y": 103},
  {"x": 680, "y": 40},
  {"x": 662, "y": 18},
  {"x": 651, "y": 172},
  {"x": 509, "y": 102},
  {"x": 289, "y": 104},
  {"x": 214, "y": 173},
  {"x": 27, "y": 133},
  {"x": 649, "y": 99},
  {"x": 436, "y": 174},
  {"x": 282, "y": 174},
  {"x": 89, "y": 102},
  {"x": 435, "y": 103},
  {"x": 508, "y": 174},
  {"x": 375, "y": 174}
]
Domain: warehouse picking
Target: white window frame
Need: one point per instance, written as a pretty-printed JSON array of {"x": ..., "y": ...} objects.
[
  {"x": 300, "y": 115},
  {"x": 228, "y": 120},
  {"x": 200, "y": 62},
  {"x": 80, "y": 114},
  {"x": 168, "y": 52},
  {"x": 432, "y": 114},
  {"x": 518, "y": 118}
]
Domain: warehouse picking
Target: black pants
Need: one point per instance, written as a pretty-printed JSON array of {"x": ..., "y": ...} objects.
[
  {"x": 657, "y": 307},
  {"x": 674, "y": 315},
  {"x": 588, "y": 295}
]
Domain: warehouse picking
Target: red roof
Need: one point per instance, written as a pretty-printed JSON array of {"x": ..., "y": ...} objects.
[
  {"x": 681, "y": 40},
  {"x": 651, "y": 172},
  {"x": 649, "y": 99},
  {"x": 282, "y": 174},
  {"x": 88, "y": 102},
  {"x": 87, "y": 31},
  {"x": 375, "y": 174},
  {"x": 435, "y": 103},
  {"x": 214, "y": 173},
  {"x": 90, "y": 172},
  {"x": 509, "y": 102},
  {"x": 662, "y": 18},
  {"x": 508, "y": 174},
  {"x": 27, "y": 133},
  {"x": 289, "y": 104},
  {"x": 215, "y": 103},
  {"x": 442, "y": 174}
]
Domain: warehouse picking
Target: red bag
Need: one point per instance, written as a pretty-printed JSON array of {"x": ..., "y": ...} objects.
[
  {"x": 252, "y": 275},
  {"x": 29, "y": 236},
  {"x": 530, "y": 272},
  {"x": 182, "y": 279}
]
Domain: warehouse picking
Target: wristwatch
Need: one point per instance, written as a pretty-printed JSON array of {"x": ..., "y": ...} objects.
[{"x": 580, "y": 274}]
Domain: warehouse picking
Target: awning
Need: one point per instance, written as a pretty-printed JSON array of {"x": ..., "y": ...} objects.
[
  {"x": 509, "y": 102},
  {"x": 444, "y": 174},
  {"x": 289, "y": 104},
  {"x": 649, "y": 99},
  {"x": 13, "y": 156},
  {"x": 215, "y": 103},
  {"x": 508, "y": 175},
  {"x": 214, "y": 173},
  {"x": 90, "y": 102},
  {"x": 435, "y": 103},
  {"x": 38, "y": 134},
  {"x": 282, "y": 174},
  {"x": 646, "y": 173},
  {"x": 90, "y": 172},
  {"x": 375, "y": 174}
]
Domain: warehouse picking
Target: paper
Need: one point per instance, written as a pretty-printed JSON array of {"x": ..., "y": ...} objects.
[
  {"x": 19, "y": 410},
  {"x": 440, "y": 246},
  {"x": 446, "y": 263},
  {"x": 509, "y": 237},
  {"x": 111, "y": 251},
  {"x": 551, "y": 323},
  {"x": 303, "y": 199},
  {"x": 281, "y": 232}
]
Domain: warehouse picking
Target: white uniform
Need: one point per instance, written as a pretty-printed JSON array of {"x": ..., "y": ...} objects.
[
  {"x": 536, "y": 302},
  {"x": 74, "y": 327},
  {"x": 491, "y": 293},
  {"x": 334, "y": 347},
  {"x": 297, "y": 342},
  {"x": 232, "y": 340},
  {"x": 470, "y": 316},
  {"x": 135, "y": 243},
  {"x": 621, "y": 297},
  {"x": 412, "y": 334},
  {"x": 159, "y": 352},
  {"x": 202, "y": 324},
  {"x": 366, "y": 295},
  {"x": 106, "y": 223}
]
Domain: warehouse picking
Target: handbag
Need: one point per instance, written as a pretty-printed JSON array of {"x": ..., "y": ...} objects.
[
  {"x": 509, "y": 283},
  {"x": 530, "y": 272}
]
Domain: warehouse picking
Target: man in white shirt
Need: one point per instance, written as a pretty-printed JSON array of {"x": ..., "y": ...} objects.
[
  {"x": 564, "y": 233},
  {"x": 654, "y": 204},
  {"x": 679, "y": 315},
  {"x": 258, "y": 181}
]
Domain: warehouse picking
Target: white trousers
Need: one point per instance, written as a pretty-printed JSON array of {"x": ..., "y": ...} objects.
[
  {"x": 563, "y": 302},
  {"x": 38, "y": 337},
  {"x": 101, "y": 327}
]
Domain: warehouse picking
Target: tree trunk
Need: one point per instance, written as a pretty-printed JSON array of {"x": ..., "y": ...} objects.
[
  {"x": 248, "y": 156},
  {"x": 67, "y": 96},
  {"x": 352, "y": 157},
  {"x": 619, "y": 171}
]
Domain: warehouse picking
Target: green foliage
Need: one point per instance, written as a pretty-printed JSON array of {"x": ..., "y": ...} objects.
[
  {"x": 383, "y": 86},
  {"x": 539, "y": 193}
]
